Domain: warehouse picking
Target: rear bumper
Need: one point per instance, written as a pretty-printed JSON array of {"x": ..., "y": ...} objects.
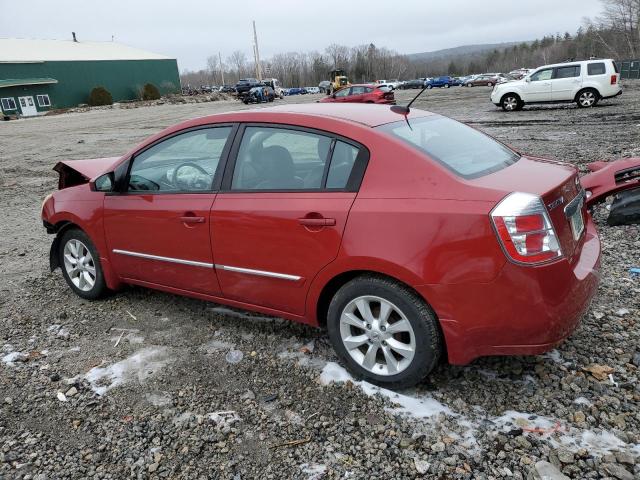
[{"x": 523, "y": 311}]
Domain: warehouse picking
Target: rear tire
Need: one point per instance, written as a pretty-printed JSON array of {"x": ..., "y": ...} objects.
[
  {"x": 587, "y": 98},
  {"x": 447, "y": 86},
  {"x": 80, "y": 264},
  {"x": 394, "y": 352}
]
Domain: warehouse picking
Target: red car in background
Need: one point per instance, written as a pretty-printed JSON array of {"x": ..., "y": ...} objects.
[
  {"x": 362, "y": 93},
  {"x": 407, "y": 234}
]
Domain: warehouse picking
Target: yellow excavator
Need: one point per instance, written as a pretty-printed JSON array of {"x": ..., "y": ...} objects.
[{"x": 338, "y": 79}]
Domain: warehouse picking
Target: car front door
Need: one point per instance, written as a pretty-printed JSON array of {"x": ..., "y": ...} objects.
[
  {"x": 565, "y": 83},
  {"x": 280, "y": 215},
  {"x": 157, "y": 226},
  {"x": 538, "y": 88},
  {"x": 342, "y": 95}
]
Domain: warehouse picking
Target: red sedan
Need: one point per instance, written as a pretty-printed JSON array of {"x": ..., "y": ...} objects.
[
  {"x": 407, "y": 236},
  {"x": 364, "y": 93}
]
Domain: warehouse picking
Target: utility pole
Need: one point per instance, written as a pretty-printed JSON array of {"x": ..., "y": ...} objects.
[
  {"x": 256, "y": 52},
  {"x": 221, "y": 67}
]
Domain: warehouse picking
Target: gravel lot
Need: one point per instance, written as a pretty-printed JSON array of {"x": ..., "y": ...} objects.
[{"x": 144, "y": 384}]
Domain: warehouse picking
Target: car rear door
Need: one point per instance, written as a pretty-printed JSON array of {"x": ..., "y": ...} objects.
[
  {"x": 157, "y": 226},
  {"x": 565, "y": 82},
  {"x": 280, "y": 215}
]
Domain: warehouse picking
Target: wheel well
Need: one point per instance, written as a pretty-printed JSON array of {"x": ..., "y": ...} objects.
[
  {"x": 59, "y": 228},
  {"x": 510, "y": 93},
  {"x": 584, "y": 90},
  {"x": 338, "y": 281}
]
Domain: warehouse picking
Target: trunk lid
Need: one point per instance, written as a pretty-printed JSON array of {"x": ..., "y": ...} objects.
[{"x": 556, "y": 183}]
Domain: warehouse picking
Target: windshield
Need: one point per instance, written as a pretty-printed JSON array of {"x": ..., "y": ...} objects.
[{"x": 462, "y": 149}]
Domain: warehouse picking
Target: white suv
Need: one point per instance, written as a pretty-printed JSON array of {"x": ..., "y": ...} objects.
[{"x": 583, "y": 82}]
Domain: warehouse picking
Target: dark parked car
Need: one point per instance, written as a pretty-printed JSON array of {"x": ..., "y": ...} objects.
[
  {"x": 296, "y": 91},
  {"x": 227, "y": 89},
  {"x": 260, "y": 95},
  {"x": 417, "y": 83},
  {"x": 482, "y": 80},
  {"x": 440, "y": 82},
  {"x": 246, "y": 84}
]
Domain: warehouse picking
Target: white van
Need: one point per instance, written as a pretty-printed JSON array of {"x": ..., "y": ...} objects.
[{"x": 584, "y": 83}]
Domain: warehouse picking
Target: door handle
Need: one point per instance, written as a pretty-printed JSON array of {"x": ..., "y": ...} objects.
[
  {"x": 192, "y": 219},
  {"x": 317, "y": 222}
]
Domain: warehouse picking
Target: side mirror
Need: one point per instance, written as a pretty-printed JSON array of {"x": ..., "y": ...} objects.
[
  {"x": 527, "y": 79},
  {"x": 333, "y": 95},
  {"x": 104, "y": 183}
]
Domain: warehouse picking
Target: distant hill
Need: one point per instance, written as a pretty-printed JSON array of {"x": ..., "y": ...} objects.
[{"x": 462, "y": 51}]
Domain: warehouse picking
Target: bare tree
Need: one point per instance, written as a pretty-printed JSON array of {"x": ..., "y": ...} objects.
[
  {"x": 212, "y": 67},
  {"x": 239, "y": 60}
]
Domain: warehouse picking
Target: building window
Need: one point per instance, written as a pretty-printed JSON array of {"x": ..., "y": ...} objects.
[
  {"x": 43, "y": 101},
  {"x": 8, "y": 104}
]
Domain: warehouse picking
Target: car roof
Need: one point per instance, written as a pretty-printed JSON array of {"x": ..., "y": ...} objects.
[
  {"x": 363, "y": 114},
  {"x": 596, "y": 60}
]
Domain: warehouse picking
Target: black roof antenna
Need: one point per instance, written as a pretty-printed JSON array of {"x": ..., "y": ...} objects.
[{"x": 405, "y": 110}]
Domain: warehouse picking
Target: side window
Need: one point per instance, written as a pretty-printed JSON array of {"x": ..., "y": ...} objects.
[
  {"x": 357, "y": 90},
  {"x": 342, "y": 161},
  {"x": 8, "y": 104},
  {"x": 184, "y": 163},
  {"x": 280, "y": 159},
  {"x": 343, "y": 93},
  {"x": 542, "y": 75},
  {"x": 567, "y": 72},
  {"x": 596, "y": 68}
]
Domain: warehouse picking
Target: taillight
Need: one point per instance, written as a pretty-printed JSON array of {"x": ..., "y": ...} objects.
[
  {"x": 614, "y": 79},
  {"x": 525, "y": 230}
]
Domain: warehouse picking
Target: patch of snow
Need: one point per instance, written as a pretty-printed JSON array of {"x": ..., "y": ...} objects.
[
  {"x": 141, "y": 365},
  {"x": 159, "y": 399},
  {"x": 10, "y": 358},
  {"x": 554, "y": 432},
  {"x": 418, "y": 406},
  {"x": 582, "y": 401},
  {"x": 314, "y": 471}
]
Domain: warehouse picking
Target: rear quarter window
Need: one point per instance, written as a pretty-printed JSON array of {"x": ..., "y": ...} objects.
[
  {"x": 596, "y": 68},
  {"x": 465, "y": 151}
]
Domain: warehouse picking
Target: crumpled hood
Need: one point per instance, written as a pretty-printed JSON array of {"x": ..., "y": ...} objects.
[{"x": 89, "y": 168}]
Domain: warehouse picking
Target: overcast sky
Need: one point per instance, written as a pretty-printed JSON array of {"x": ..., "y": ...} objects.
[{"x": 191, "y": 30}]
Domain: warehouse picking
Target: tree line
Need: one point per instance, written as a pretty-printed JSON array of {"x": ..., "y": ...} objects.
[{"x": 613, "y": 34}]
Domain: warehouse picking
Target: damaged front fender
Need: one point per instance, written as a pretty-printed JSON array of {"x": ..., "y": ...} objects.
[{"x": 607, "y": 178}]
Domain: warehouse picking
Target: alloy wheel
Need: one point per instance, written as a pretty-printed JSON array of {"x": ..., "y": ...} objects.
[
  {"x": 377, "y": 335},
  {"x": 510, "y": 103},
  {"x": 79, "y": 265},
  {"x": 587, "y": 99}
]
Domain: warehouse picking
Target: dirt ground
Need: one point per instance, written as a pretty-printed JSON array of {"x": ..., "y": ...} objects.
[{"x": 146, "y": 384}]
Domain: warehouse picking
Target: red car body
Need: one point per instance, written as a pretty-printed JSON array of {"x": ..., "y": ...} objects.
[
  {"x": 410, "y": 219},
  {"x": 361, "y": 93}
]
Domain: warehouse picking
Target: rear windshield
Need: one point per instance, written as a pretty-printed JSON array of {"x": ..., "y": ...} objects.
[{"x": 462, "y": 149}]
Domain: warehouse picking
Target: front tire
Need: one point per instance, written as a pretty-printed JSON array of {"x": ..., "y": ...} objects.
[
  {"x": 587, "y": 98},
  {"x": 80, "y": 264},
  {"x": 511, "y": 102},
  {"x": 384, "y": 332}
]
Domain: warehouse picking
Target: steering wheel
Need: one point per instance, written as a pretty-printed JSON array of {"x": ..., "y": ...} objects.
[{"x": 191, "y": 183}]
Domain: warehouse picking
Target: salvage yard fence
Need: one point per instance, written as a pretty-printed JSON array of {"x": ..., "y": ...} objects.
[{"x": 630, "y": 68}]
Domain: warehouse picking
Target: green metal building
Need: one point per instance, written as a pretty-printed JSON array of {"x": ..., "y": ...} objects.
[{"x": 39, "y": 75}]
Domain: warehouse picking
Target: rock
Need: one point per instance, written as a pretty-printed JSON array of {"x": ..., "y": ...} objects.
[
  {"x": 523, "y": 443},
  {"x": 61, "y": 397},
  {"x": 422, "y": 466},
  {"x": 624, "y": 457},
  {"x": 71, "y": 392},
  {"x": 636, "y": 359},
  {"x": 8, "y": 400},
  {"x": 579, "y": 417},
  {"x": 621, "y": 312},
  {"x": 545, "y": 471},
  {"x": 406, "y": 442},
  {"x": 600, "y": 372},
  {"x": 617, "y": 471},
  {"x": 438, "y": 447},
  {"x": 153, "y": 467},
  {"x": 565, "y": 456}
]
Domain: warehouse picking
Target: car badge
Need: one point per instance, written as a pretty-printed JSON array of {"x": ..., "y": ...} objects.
[{"x": 556, "y": 203}]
